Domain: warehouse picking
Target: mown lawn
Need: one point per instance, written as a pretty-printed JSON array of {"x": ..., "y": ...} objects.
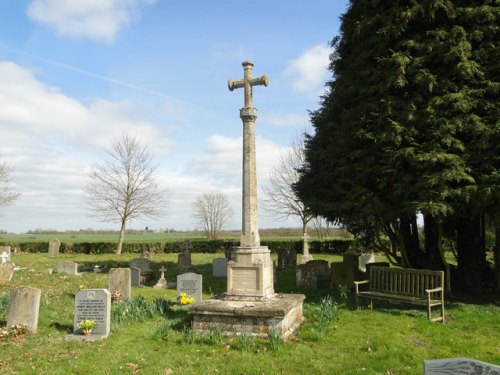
[{"x": 386, "y": 340}]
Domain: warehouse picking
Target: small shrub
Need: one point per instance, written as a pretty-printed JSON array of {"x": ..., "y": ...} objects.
[
  {"x": 323, "y": 315},
  {"x": 162, "y": 331},
  {"x": 188, "y": 334},
  {"x": 245, "y": 341}
]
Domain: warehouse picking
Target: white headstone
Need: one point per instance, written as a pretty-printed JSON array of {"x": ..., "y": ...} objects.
[
  {"x": 5, "y": 254},
  {"x": 191, "y": 284},
  {"x": 93, "y": 304},
  {"x": 219, "y": 267},
  {"x": 162, "y": 282},
  {"x": 24, "y": 306}
]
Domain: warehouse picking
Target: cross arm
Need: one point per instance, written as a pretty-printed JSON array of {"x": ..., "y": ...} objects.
[{"x": 232, "y": 84}]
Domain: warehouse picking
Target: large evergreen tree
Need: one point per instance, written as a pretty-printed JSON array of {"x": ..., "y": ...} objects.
[{"x": 410, "y": 125}]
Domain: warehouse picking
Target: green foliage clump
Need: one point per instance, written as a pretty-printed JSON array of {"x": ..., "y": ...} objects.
[
  {"x": 4, "y": 305},
  {"x": 138, "y": 309},
  {"x": 274, "y": 339},
  {"x": 322, "y": 317}
]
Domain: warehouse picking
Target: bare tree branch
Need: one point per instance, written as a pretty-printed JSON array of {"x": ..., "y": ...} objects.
[
  {"x": 212, "y": 211},
  {"x": 7, "y": 193},
  {"x": 124, "y": 187}
]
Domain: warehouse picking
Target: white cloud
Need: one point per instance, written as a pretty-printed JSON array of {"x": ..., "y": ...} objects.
[
  {"x": 282, "y": 120},
  {"x": 309, "y": 70},
  {"x": 99, "y": 20}
]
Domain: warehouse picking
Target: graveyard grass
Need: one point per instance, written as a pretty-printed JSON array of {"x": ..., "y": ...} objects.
[{"x": 386, "y": 340}]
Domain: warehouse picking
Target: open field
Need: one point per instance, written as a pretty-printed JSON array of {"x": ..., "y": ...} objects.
[{"x": 388, "y": 340}]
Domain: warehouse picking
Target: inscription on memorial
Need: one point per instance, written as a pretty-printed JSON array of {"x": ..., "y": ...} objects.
[{"x": 93, "y": 304}]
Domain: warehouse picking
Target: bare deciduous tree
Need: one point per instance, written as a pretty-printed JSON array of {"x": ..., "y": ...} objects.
[
  {"x": 280, "y": 199},
  {"x": 7, "y": 193},
  {"x": 124, "y": 187},
  {"x": 212, "y": 211},
  {"x": 322, "y": 227}
]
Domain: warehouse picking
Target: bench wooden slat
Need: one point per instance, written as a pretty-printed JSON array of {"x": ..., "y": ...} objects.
[{"x": 405, "y": 285}]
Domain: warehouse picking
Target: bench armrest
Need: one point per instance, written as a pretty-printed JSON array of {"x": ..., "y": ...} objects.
[{"x": 358, "y": 283}]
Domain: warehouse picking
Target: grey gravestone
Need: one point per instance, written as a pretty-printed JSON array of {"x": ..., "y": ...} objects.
[
  {"x": 24, "y": 306},
  {"x": 219, "y": 267},
  {"x": 307, "y": 274},
  {"x": 68, "y": 267},
  {"x": 143, "y": 264},
  {"x": 191, "y": 284},
  {"x": 6, "y": 271},
  {"x": 120, "y": 283},
  {"x": 93, "y": 304},
  {"x": 54, "y": 246},
  {"x": 187, "y": 248},
  {"x": 135, "y": 276},
  {"x": 466, "y": 366},
  {"x": 344, "y": 273},
  {"x": 4, "y": 254},
  {"x": 287, "y": 259},
  {"x": 364, "y": 259}
]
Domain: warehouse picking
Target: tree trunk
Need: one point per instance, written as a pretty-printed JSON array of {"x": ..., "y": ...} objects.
[
  {"x": 122, "y": 236},
  {"x": 496, "y": 251},
  {"x": 472, "y": 266},
  {"x": 433, "y": 251},
  {"x": 410, "y": 246}
]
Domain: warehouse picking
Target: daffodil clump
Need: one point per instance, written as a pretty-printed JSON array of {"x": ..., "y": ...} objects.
[
  {"x": 87, "y": 325},
  {"x": 184, "y": 299}
]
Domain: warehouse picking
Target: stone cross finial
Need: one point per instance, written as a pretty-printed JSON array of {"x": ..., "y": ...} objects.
[
  {"x": 247, "y": 82},
  {"x": 163, "y": 269}
]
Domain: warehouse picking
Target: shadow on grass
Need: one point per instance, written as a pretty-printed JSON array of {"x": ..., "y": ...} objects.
[{"x": 62, "y": 327}]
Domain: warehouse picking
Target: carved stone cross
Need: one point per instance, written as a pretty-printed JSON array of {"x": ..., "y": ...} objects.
[
  {"x": 163, "y": 269},
  {"x": 247, "y": 82}
]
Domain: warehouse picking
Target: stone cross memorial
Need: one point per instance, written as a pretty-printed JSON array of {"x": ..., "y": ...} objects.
[
  {"x": 191, "y": 284},
  {"x": 162, "y": 282},
  {"x": 306, "y": 257},
  {"x": 250, "y": 304},
  {"x": 24, "y": 306}
]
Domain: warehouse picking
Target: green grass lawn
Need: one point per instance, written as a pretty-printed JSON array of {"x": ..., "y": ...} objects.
[{"x": 386, "y": 340}]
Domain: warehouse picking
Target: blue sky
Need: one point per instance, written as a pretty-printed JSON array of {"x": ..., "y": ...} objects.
[{"x": 74, "y": 74}]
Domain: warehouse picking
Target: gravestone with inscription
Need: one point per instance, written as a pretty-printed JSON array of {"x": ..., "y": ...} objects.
[
  {"x": 54, "y": 246},
  {"x": 68, "y": 267},
  {"x": 143, "y": 264},
  {"x": 119, "y": 281},
  {"x": 219, "y": 267},
  {"x": 24, "y": 306},
  {"x": 92, "y": 304},
  {"x": 454, "y": 366},
  {"x": 191, "y": 284}
]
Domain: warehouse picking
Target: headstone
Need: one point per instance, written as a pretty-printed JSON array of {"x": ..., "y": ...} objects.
[
  {"x": 452, "y": 366},
  {"x": 162, "y": 282},
  {"x": 364, "y": 259},
  {"x": 54, "y": 246},
  {"x": 24, "y": 306},
  {"x": 92, "y": 304},
  {"x": 287, "y": 259},
  {"x": 351, "y": 261},
  {"x": 191, "y": 284},
  {"x": 119, "y": 284},
  {"x": 6, "y": 271},
  {"x": 68, "y": 267},
  {"x": 306, "y": 257},
  {"x": 135, "y": 276},
  {"x": 4, "y": 254},
  {"x": 181, "y": 262},
  {"x": 344, "y": 273},
  {"x": 142, "y": 263},
  {"x": 187, "y": 247},
  {"x": 219, "y": 267},
  {"x": 376, "y": 264},
  {"x": 308, "y": 274}
]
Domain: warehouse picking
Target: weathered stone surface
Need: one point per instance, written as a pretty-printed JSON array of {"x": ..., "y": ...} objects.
[
  {"x": 68, "y": 267},
  {"x": 135, "y": 276},
  {"x": 308, "y": 274},
  {"x": 219, "y": 267},
  {"x": 143, "y": 264},
  {"x": 119, "y": 281},
  {"x": 452, "y": 366},
  {"x": 24, "y": 307},
  {"x": 6, "y": 271},
  {"x": 93, "y": 304},
  {"x": 283, "y": 313},
  {"x": 191, "y": 284},
  {"x": 54, "y": 246}
]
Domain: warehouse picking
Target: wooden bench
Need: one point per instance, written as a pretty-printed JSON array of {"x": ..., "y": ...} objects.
[{"x": 422, "y": 287}]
